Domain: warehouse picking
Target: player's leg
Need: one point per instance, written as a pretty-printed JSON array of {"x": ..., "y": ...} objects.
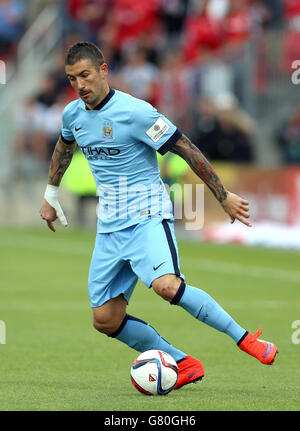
[
  {"x": 111, "y": 284},
  {"x": 141, "y": 336},
  {"x": 156, "y": 263},
  {"x": 150, "y": 258},
  {"x": 198, "y": 303},
  {"x": 160, "y": 268},
  {"x": 112, "y": 320},
  {"x": 203, "y": 307}
]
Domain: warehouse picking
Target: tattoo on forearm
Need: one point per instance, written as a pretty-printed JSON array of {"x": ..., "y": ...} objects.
[
  {"x": 61, "y": 159},
  {"x": 201, "y": 166}
]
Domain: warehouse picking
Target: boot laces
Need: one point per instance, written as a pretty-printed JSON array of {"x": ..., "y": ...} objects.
[{"x": 258, "y": 332}]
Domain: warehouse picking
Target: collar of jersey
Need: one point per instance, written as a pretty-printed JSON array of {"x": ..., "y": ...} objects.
[{"x": 103, "y": 102}]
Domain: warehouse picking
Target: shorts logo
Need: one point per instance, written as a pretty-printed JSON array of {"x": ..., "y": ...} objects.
[
  {"x": 108, "y": 129},
  {"x": 156, "y": 267},
  {"x": 158, "y": 129}
]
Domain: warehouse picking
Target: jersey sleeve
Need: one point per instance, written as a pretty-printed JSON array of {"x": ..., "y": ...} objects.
[
  {"x": 66, "y": 133},
  {"x": 154, "y": 129}
]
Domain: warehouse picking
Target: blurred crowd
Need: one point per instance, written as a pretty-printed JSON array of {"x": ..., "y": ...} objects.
[
  {"x": 200, "y": 62},
  {"x": 12, "y": 26}
]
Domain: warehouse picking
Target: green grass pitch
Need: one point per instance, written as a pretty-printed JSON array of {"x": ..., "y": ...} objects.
[{"x": 54, "y": 359}]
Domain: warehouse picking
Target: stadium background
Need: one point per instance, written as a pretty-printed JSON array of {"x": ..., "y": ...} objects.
[{"x": 222, "y": 71}]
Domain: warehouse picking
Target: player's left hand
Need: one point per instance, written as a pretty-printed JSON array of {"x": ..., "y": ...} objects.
[{"x": 237, "y": 208}]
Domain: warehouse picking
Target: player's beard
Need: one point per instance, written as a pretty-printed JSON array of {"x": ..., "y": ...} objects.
[
  {"x": 92, "y": 100},
  {"x": 86, "y": 97}
]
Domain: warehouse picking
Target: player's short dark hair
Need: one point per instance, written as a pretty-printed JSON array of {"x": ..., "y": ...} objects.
[{"x": 84, "y": 50}]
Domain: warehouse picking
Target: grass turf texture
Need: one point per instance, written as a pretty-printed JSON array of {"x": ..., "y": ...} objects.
[{"x": 54, "y": 359}]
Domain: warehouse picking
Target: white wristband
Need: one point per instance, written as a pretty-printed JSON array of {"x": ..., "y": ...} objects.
[
  {"x": 51, "y": 191},
  {"x": 51, "y": 196}
]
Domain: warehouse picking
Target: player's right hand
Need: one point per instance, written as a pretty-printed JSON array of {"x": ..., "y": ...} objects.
[{"x": 51, "y": 213}]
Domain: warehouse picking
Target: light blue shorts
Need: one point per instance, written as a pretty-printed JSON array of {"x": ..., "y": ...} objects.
[{"x": 146, "y": 250}]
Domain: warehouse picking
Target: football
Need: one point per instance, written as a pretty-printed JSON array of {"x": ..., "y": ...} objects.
[{"x": 154, "y": 372}]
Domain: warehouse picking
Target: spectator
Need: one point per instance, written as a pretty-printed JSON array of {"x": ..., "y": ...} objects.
[
  {"x": 227, "y": 131},
  {"x": 212, "y": 77},
  {"x": 240, "y": 24},
  {"x": 291, "y": 9},
  {"x": 48, "y": 91},
  {"x": 173, "y": 90},
  {"x": 269, "y": 11},
  {"x": 38, "y": 124},
  {"x": 204, "y": 133},
  {"x": 140, "y": 76},
  {"x": 86, "y": 17},
  {"x": 107, "y": 36},
  {"x": 31, "y": 142},
  {"x": 12, "y": 22},
  {"x": 59, "y": 75},
  {"x": 236, "y": 130},
  {"x": 291, "y": 36},
  {"x": 288, "y": 138},
  {"x": 243, "y": 50},
  {"x": 51, "y": 125},
  {"x": 173, "y": 14},
  {"x": 202, "y": 33},
  {"x": 132, "y": 19},
  {"x": 275, "y": 8}
]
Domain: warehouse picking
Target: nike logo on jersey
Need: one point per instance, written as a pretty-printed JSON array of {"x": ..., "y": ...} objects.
[
  {"x": 156, "y": 267},
  {"x": 77, "y": 128}
]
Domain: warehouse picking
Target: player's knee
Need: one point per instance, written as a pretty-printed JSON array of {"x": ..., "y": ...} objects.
[
  {"x": 108, "y": 317},
  {"x": 166, "y": 286},
  {"x": 107, "y": 323},
  {"x": 100, "y": 326},
  {"x": 107, "y": 327}
]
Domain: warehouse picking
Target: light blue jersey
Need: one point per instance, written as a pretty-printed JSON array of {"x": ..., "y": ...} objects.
[{"x": 119, "y": 138}]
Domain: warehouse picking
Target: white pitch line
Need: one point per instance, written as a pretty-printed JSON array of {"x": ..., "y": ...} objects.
[
  {"x": 28, "y": 241},
  {"x": 242, "y": 270}
]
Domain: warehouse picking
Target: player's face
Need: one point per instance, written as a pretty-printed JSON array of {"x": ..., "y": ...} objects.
[{"x": 88, "y": 81}]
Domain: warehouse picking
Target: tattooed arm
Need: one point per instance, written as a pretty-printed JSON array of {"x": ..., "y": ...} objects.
[
  {"x": 60, "y": 161},
  {"x": 232, "y": 204}
]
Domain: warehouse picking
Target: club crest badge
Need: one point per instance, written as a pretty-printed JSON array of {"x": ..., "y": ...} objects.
[{"x": 108, "y": 129}]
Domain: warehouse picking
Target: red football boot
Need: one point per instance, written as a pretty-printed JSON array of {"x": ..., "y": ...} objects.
[
  {"x": 264, "y": 351},
  {"x": 190, "y": 371}
]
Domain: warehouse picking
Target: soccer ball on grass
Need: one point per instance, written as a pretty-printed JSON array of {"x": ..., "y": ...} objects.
[{"x": 154, "y": 372}]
